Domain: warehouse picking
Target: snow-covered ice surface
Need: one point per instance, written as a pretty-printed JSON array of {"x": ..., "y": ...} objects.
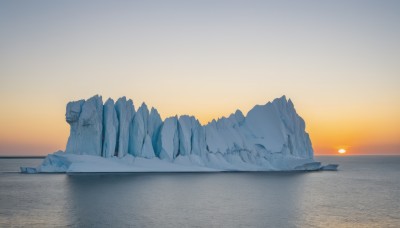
[
  {"x": 116, "y": 138},
  {"x": 64, "y": 162}
]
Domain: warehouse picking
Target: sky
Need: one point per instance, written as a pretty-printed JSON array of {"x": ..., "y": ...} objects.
[{"x": 339, "y": 62}]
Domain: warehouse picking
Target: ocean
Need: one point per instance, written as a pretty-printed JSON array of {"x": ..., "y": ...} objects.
[{"x": 365, "y": 192}]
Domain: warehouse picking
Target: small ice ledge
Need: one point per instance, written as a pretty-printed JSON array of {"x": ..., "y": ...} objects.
[
  {"x": 316, "y": 166},
  {"x": 330, "y": 167},
  {"x": 114, "y": 137}
]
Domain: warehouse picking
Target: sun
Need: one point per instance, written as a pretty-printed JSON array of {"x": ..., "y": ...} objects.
[{"x": 342, "y": 151}]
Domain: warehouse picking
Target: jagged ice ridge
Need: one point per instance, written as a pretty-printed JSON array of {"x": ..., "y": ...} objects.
[{"x": 114, "y": 137}]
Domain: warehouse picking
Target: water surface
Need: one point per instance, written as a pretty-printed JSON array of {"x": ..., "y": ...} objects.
[{"x": 365, "y": 192}]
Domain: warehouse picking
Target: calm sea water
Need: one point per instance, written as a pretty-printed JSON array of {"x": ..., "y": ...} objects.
[{"x": 365, "y": 192}]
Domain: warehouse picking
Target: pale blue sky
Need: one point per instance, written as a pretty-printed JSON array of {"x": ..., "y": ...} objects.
[{"x": 337, "y": 60}]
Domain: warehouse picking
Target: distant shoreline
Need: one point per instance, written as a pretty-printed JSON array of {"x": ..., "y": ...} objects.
[
  {"x": 325, "y": 155},
  {"x": 21, "y": 157}
]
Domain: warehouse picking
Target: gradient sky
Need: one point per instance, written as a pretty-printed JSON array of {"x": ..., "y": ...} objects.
[{"x": 339, "y": 61}]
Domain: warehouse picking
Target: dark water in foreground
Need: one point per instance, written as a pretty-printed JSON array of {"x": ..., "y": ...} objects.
[{"x": 364, "y": 193}]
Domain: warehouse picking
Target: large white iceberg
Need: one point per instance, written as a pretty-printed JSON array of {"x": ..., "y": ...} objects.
[{"x": 116, "y": 138}]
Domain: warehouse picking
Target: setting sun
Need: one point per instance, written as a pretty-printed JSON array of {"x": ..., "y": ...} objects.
[{"x": 342, "y": 151}]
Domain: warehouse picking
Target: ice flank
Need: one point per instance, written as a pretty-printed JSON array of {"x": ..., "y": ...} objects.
[{"x": 115, "y": 138}]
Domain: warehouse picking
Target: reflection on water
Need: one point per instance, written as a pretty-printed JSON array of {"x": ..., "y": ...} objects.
[
  {"x": 365, "y": 192},
  {"x": 191, "y": 199}
]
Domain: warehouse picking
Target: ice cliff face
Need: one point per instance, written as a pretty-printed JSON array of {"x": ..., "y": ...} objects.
[
  {"x": 267, "y": 132},
  {"x": 110, "y": 129},
  {"x": 86, "y": 120}
]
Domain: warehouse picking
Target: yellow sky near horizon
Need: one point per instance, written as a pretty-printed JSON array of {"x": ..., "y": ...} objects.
[{"x": 44, "y": 130}]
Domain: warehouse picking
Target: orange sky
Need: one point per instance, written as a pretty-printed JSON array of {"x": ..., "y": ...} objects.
[
  {"x": 337, "y": 61},
  {"x": 40, "y": 130}
]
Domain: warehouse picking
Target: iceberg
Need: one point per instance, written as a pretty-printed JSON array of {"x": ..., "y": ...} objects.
[{"x": 113, "y": 137}]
